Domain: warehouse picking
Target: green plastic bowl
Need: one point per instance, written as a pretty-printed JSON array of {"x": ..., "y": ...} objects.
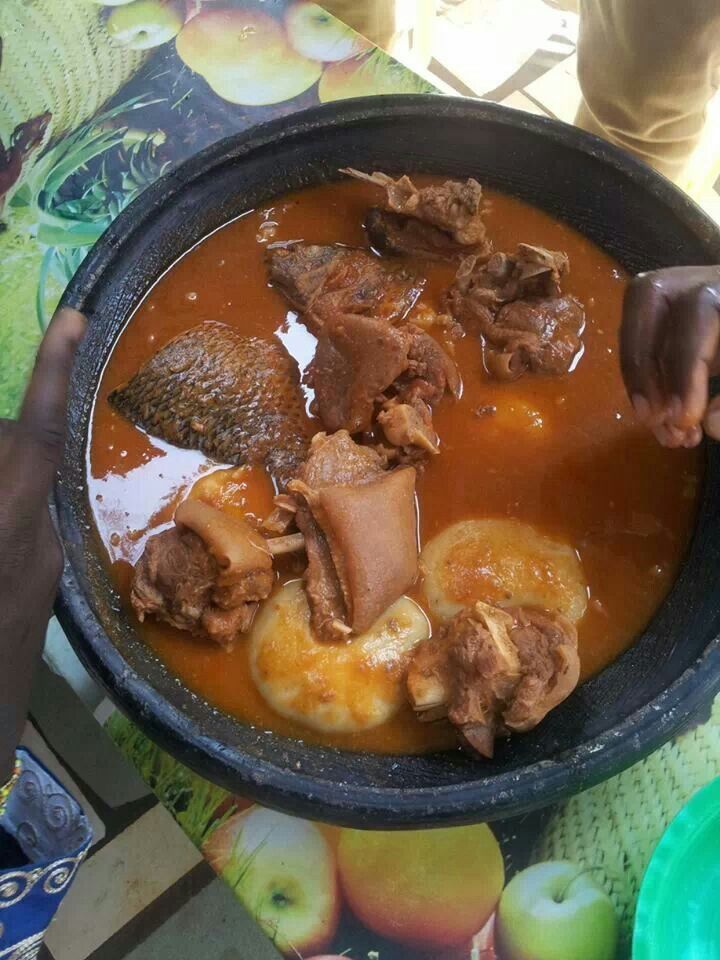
[{"x": 677, "y": 913}]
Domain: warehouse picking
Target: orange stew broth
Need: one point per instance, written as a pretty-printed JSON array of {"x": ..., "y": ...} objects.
[{"x": 562, "y": 453}]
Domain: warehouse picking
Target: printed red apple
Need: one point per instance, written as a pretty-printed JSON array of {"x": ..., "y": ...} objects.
[
  {"x": 425, "y": 888},
  {"x": 556, "y": 911},
  {"x": 317, "y": 34},
  {"x": 145, "y": 23},
  {"x": 282, "y": 869},
  {"x": 245, "y": 56}
]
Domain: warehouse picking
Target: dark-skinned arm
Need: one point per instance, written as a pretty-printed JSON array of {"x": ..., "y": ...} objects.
[{"x": 31, "y": 450}]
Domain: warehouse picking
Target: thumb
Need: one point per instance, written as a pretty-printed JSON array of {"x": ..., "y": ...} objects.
[
  {"x": 711, "y": 420},
  {"x": 44, "y": 409}
]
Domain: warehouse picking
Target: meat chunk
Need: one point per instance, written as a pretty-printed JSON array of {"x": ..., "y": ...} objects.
[
  {"x": 430, "y": 373},
  {"x": 542, "y": 336},
  {"x": 409, "y": 426},
  {"x": 479, "y": 286},
  {"x": 338, "y": 459},
  {"x": 282, "y": 517},
  {"x": 324, "y": 282},
  {"x": 359, "y": 525},
  {"x": 361, "y": 362},
  {"x": 436, "y": 222},
  {"x": 493, "y": 671},
  {"x": 549, "y": 663},
  {"x": 371, "y": 532},
  {"x": 514, "y": 302},
  {"x": 206, "y": 575},
  {"x": 356, "y": 360},
  {"x": 399, "y": 236},
  {"x": 238, "y": 399},
  {"x": 334, "y": 459}
]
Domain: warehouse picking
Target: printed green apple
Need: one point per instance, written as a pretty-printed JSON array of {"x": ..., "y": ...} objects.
[
  {"x": 316, "y": 34},
  {"x": 556, "y": 911},
  {"x": 283, "y": 870},
  {"x": 144, "y": 23}
]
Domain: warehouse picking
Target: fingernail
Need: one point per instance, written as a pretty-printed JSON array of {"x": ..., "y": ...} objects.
[
  {"x": 640, "y": 406},
  {"x": 692, "y": 437},
  {"x": 676, "y": 435}
]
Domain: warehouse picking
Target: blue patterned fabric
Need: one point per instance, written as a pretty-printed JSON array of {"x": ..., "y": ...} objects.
[{"x": 53, "y": 835}]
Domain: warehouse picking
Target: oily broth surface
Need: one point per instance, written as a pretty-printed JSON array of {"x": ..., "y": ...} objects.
[{"x": 563, "y": 454}]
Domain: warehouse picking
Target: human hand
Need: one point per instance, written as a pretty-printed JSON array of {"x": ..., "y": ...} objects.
[
  {"x": 669, "y": 349},
  {"x": 31, "y": 450}
]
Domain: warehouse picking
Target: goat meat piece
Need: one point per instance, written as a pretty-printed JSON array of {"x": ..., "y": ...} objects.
[
  {"x": 479, "y": 286},
  {"x": 467, "y": 673},
  {"x": 409, "y": 426},
  {"x": 205, "y": 576},
  {"x": 542, "y": 336},
  {"x": 454, "y": 207},
  {"x": 338, "y": 459},
  {"x": 362, "y": 363},
  {"x": 370, "y": 529},
  {"x": 549, "y": 663},
  {"x": 395, "y": 235},
  {"x": 491, "y": 671},
  {"x": 360, "y": 533},
  {"x": 430, "y": 372},
  {"x": 356, "y": 360},
  {"x": 332, "y": 459},
  {"x": 514, "y": 302},
  {"x": 325, "y": 282}
]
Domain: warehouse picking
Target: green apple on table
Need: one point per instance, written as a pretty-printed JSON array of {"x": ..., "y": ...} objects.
[
  {"x": 556, "y": 911},
  {"x": 283, "y": 870},
  {"x": 143, "y": 24},
  {"x": 318, "y": 35}
]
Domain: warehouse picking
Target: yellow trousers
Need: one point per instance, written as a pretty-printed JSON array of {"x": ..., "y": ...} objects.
[{"x": 647, "y": 69}]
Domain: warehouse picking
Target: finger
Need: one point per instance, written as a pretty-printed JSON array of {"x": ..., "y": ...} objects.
[
  {"x": 668, "y": 436},
  {"x": 43, "y": 414},
  {"x": 693, "y": 436},
  {"x": 711, "y": 421},
  {"x": 644, "y": 310},
  {"x": 676, "y": 280},
  {"x": 688, "y": 346}
]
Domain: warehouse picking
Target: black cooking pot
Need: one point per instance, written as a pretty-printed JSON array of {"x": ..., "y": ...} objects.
[{"x": 611, "y": 721}]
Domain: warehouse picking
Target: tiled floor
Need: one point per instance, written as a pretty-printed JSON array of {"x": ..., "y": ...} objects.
[{"x": 145, "y": 893}]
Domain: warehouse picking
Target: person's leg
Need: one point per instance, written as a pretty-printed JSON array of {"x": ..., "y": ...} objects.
[{"x": 647, "y": 69}]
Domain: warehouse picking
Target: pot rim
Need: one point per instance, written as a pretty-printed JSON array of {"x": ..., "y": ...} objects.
[{"x": 506, "y": 793}]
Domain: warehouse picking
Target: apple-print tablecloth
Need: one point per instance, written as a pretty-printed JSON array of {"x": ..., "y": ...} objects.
[{"x": 96, "y": 102}]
